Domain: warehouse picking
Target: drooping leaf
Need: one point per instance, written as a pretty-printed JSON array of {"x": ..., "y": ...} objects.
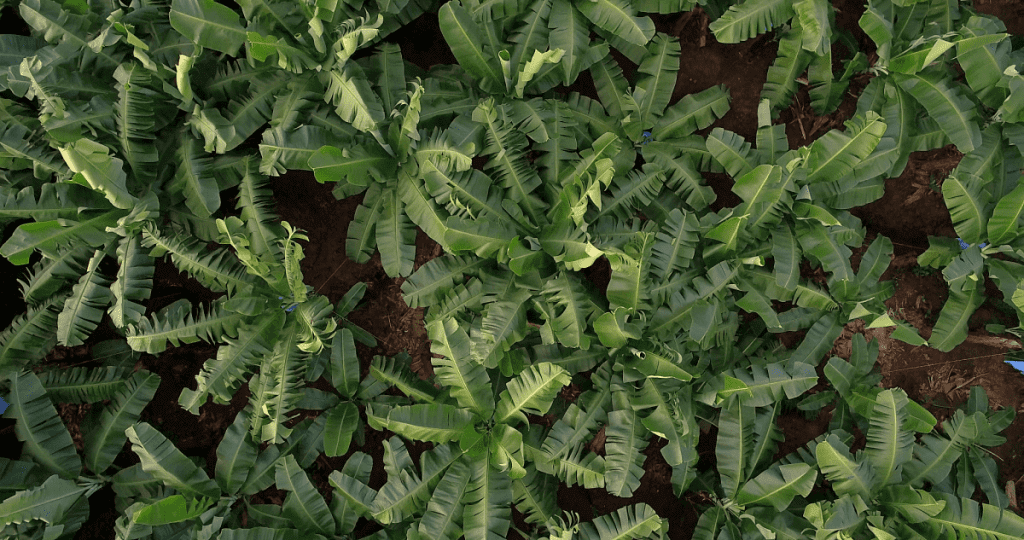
[
  {"x": 435, "y": 422},
  {"x": 778, "y": 486},
  {"x": 532, "y": 391},
  {"x": 194, "y": 179},
  {"x": 569, "y": 32},
  {"x": 618, "y": 18},
  {"x": 407, "y": 493},
  {"x": 848, "y": 476},
  {"x": 54, "y": 236},
  {"x": 934, "y": 455},
  {"x": 236, "y": 455},
  {"x": 963, "y": 517},
  {"x": 574, "y": 308},
  {"x": 50, "y": 502},
  {"x": 946, "y": 104},
  {"x": 968, "y": 205},
  {"x": 750, "y": 19},
  {"x": 303, "y": 505},
  {"x": 37, "y": 425},
  {"x": 837, "y": 153},
  {"x": 693, "y": 112},
  {"x": 637, "y": 521},
  {"x": 29, "y": 337},
  {"x": 487, "y": 508},
  {"x": 208, "y": 24},
  {"x": 735, "y": 443},
  {"x": 660, "y": 68},
  {"x": 630, "y": 274},
  {"x": 815, "y": 26},
  {"x": 133, "y": 284},
  {"x": 173, "y": 509},
  {"x": 215, "y": 269},
  {"x": 443, "y": 515},
  {"x": 1004, "y": 225},
  {"x": 790, "y": 61},
  {"x": 354, "y": 100},
  {"x": 100, "y": 170},
  {"x": 611, "y": 86},
  {"x": 342, "y": 422},
  {"x": 396, "y": 237},
  {"x": 289, "y": 56},
  {"x": 221, "y": 377},
  {"x": 165, "y": 462},
  {"x": 731, "y": 151},
  {"x": 175, "y": 324},
  {"x": 889, "y": 445},
  {"x": 83, "y": 308},
  {"x": 625, "y": 440},
  {"x": 464, "y": 37},
  {"x": 104, "y": 438}
]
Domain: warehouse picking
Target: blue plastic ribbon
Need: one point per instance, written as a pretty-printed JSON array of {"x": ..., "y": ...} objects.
[
  {"x": 647, "y": 137},
  {"x": 290, "y": 308},
  {"x": 965, "y": 245},
  {"x": 3, "y": 406},
  {"x": 1019, "y": 366}
]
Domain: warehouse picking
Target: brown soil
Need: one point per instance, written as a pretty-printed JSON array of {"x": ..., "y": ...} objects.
[{"x": 907, "y": 214}]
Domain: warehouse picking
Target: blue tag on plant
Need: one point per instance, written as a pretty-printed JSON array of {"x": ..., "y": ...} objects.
[{"x": 965, "y": 245}]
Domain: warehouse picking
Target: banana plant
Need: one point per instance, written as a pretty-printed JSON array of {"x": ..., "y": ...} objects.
[
  {"x": 167, "y": 493},
  {"x": 389, "y": 167},
  {"x": 878, "y": 490},
  {"x": 981, "y": 194},
  {"x": 89, "y": 155},
  {"x": 275, "y": 321},
  {"x": 489, "y": 457}
]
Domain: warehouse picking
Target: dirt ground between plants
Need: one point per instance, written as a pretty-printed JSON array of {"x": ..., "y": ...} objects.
[{"x": 909, "y": 212}]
